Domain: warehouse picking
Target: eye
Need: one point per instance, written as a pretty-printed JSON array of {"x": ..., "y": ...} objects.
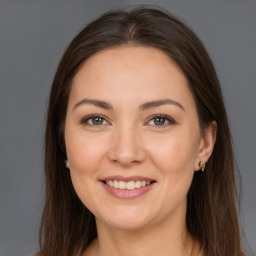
[
  {"x": 95, "y": 120},
  {"x": 161, "y": 120}
]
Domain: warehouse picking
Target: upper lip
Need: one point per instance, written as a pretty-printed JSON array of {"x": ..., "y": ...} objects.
[{"x": 130, "y": 178}]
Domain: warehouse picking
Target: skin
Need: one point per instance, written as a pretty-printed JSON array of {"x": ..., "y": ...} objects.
[{"x": 130, "y": 142}]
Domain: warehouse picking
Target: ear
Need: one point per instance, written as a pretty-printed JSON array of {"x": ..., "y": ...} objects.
[{"x": 206, "y": 145}]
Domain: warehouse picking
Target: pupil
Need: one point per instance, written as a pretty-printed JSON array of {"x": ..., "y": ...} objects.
[
  {"x": 159, "y": 121},
  {"x": 97, "y": 120}
]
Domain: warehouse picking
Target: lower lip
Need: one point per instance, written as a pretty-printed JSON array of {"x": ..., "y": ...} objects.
[{"x": 127, "y": 193}]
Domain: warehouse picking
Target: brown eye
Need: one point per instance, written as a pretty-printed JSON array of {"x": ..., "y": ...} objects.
[
  {"x": 161, "y": 120},
  {"x": 97, "y": 120},
  {"x": 94, "y": 120}
]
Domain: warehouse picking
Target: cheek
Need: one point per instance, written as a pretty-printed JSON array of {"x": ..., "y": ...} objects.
[
  {"x": 174, "y": 157},
  {"x": 174, "y": 154},
  {"x": 84, "y": 153},
  {"x": 85, "y": 156}
]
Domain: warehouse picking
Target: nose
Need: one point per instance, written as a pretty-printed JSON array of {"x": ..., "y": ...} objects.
[{"x": 126, "y": 148}]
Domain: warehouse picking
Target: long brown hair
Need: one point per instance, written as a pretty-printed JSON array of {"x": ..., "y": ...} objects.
[{"x": 67, "y": 226}]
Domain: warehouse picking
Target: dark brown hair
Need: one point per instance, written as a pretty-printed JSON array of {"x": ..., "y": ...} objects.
[{"x": 67, "y": 226}]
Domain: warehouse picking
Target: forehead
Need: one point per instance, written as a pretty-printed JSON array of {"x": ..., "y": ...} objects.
[
  {"x": 137, "y": 60},
  {"x": 140, "y": 73}
]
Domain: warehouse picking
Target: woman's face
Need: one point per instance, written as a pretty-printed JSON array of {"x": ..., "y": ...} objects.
[{"x": 132, "y": 137}]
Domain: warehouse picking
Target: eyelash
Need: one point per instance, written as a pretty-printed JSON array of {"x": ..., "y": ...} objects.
[{"x": 158, "y": 116}]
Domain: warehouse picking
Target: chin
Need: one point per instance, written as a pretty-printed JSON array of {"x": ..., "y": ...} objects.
[
  {"x": 130, "y": 225},
  {"x": 129, "y": 222}
]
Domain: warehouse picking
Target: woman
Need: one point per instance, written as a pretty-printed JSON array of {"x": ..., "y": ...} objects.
[{"x": 138, "y": 152}]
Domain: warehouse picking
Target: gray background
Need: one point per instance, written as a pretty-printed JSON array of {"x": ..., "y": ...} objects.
[{"x": 33, "y": 36}]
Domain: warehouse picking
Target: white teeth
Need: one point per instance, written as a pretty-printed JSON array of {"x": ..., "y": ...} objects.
[
  {"x": 115, "y": 184},
  {"x": 131, "y": 185},
  {"x": 127, "y": 185},
  {"x": 138, "y": 184},
  {"x": 122, "y": 184}
]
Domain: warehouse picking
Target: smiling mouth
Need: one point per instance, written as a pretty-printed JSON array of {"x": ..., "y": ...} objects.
[{"x": 130, "y": 185}]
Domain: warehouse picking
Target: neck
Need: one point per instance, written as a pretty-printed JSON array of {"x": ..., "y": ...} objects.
[{"x": 167, "y": 238}]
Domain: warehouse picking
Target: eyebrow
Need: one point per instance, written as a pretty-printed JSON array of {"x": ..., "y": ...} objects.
[
  {"x": 143, "y": 107},
  {"x": 157, "y": 103}
]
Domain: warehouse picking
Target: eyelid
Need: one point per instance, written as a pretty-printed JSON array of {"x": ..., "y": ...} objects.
[
  {"x": 85, "y": 119},
  {"x": 166, "y": 117}
]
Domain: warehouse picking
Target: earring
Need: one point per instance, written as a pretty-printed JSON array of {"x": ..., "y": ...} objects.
[
  {"x": 202, "y": 165},
  {"x": 67, "y": 164}
]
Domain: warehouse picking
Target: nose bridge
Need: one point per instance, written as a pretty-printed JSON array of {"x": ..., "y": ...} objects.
[{"x": 126, "y": 147}]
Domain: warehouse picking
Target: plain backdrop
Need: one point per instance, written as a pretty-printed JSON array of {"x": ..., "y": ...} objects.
[{"x": 33, "y": 36}]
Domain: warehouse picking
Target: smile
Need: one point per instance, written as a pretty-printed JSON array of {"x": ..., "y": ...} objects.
[
  {"x": 127, "y": 187},
  {"x": 130, "y": 185}
]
